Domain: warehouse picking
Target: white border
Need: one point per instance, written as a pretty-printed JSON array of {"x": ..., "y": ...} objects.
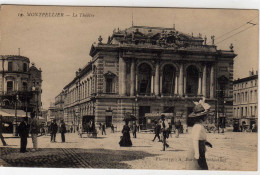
[{"x": 238, "y": 4}]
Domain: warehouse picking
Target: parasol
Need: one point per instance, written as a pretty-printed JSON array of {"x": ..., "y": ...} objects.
[{"x": 129, "y": 118}]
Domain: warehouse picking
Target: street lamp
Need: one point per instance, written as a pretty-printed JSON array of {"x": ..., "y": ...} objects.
[
  {"x": 15, "y": 133},
  {"x": 34, "y": 89}
]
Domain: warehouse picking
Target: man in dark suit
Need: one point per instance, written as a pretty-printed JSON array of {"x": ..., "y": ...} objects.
[
  {"x": 1, "y": 136},
  {"x": 103, "y": 128},
  {"x": 54, "y": 130},
  {"x": 23, "y": 130},
  {"x": 62, "y": 130},
  {"x": 157, "y": 131}
]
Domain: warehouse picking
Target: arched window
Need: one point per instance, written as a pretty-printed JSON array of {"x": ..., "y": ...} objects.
[
  {"x": 192, "y": 80},
  {"x": 169, "y": 74},
  {"x": 144, "y": 78}
]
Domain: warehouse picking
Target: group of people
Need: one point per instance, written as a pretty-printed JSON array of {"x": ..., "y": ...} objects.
[
  {"x": 196, "y": 159},
  {"x": 24, "y": 129}
]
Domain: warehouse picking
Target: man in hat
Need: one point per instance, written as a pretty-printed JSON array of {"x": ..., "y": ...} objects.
[
  {"x": 103, "y": 128},
  {"x": 23, "y": 130},
  {"x": 1, "y": 136},
  {"x": 54, "y": 129},
  {"x": 157, "y": 131},
  {"x": 62, "y": 130},
  {"x": 34, "y": 130},
  {"x": 164, "y": 128}
]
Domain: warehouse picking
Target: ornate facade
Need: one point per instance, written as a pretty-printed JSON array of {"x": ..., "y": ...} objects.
[
  {"x": 143, "y": 70},
  {"x": 20, "y": 86}
]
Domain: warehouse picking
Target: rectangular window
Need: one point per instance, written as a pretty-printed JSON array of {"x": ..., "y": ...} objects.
[
  {"x": 9, "y": 86},
  {"x": 24, "y": 86},
  {"x": 109, "y": 85},
  {"x": 25, "y": 67},
  {"x": 10, "y": 66}
]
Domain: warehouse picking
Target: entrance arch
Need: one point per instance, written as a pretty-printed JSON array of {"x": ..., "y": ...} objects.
[
  {"x": 144, "y": 79},
  {"x": 192, "y": 78},
  {"x": 169, "y": 73}
]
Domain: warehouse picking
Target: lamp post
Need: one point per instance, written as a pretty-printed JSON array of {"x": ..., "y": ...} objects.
[{"x": 15, "y": 133}]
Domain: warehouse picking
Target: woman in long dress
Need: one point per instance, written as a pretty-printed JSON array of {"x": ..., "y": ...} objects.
[
  {"x": 196, "y": 159},
  {"x": 125, "y": 139}
]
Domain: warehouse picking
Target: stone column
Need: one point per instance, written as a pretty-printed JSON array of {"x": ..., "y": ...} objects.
[
  {"x": 161, "y": 77},
  {"x": 184, "y": 84},
  {"x": 199, "y": 84},
  {"x": 204, "y": 81},
  {"x": 156, "y": 81},
  {"x": 181, "y": 80},
  {"x": 91, "y": 85},
  {"x": 132, "y": 79},
  {"x": 136, "y": 82},
  {"x": 122, "y": 73},
  {"x": 212, "y": 82},
  {"x": 176, "y": 85},
  {"x": 152, "y": 78}
]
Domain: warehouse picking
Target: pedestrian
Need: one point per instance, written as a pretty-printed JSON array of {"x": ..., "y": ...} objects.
[
  {"x": 177, "y": 127},
  {"x": 169, "y": 130},
  {"x": 71, "y": 129},
  {"x": 196, "y": 159},
  {"x": 1, "y": 135},
  {"x": 103, "y": 128},
  {"x": 112, "y": 128},
  {"x": 34, "y": 130},
  {"x": 157, "y": 131},
  {"x": 62, "y": 130},
  {"x": 46, "y": 129},
  {"x": 53, "y": 129},
  {"x": 125, "y": 139},
  {"x": 23, "y": 131},
  {"x": 80, "y": 130},
  {"x": 134, "y": 130},
  {"x": 164, "y": 130}
]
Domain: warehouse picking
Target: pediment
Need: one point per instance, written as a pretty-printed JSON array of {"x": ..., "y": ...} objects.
[{"x": 109, "y": 74}]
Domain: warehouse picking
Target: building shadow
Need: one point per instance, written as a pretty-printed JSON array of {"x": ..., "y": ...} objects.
[{"x": 71, "y": 158}]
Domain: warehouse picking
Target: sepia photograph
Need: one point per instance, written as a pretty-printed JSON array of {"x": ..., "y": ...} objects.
[{"x": 139, "y": 88}]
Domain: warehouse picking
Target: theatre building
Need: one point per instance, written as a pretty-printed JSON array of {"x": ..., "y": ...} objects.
[{"x": 146, "y": 71}]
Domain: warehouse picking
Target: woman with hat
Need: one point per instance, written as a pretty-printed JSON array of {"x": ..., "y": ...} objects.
[
  {"x": 125, "y": 139},
  {"x": 196, "y": 159}
]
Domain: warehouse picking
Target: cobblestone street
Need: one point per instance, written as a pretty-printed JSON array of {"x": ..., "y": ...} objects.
[{"x": 236, "y": 150}]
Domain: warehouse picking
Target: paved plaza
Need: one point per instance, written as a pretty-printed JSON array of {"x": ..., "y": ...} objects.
[{"x": 230, "y": 150}]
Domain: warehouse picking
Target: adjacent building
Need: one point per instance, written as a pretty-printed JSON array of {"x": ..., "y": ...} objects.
[
  {"x": 146, "y": 71},
  {"x": 246, "y": 99},
  {"x": 20, "y": 87}
]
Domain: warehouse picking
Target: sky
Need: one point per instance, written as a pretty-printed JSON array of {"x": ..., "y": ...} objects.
[{"x": 61, "y": 45}]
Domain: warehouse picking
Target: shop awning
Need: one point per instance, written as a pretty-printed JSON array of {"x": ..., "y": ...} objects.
[{"x": 11, "y": 113}]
